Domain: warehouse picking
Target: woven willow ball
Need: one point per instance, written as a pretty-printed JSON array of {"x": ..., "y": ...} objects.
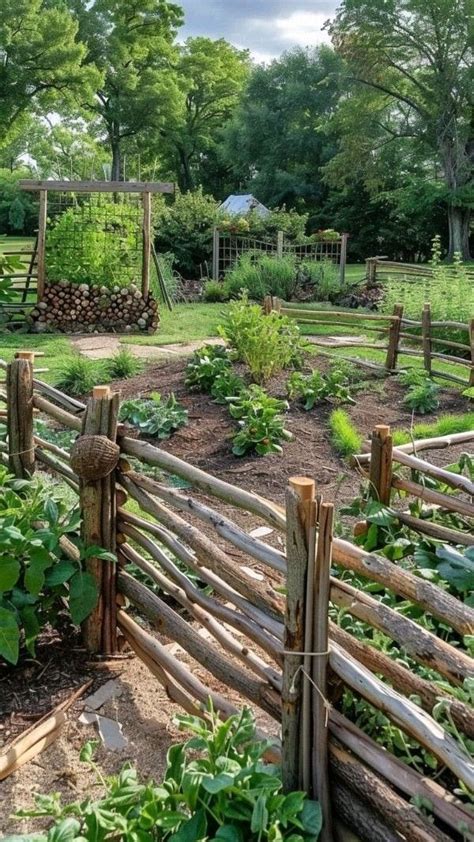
[{"x": 94, "y": 457}]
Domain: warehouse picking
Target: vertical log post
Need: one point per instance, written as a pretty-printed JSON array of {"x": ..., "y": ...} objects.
[
  {"x": 299, "y": 495},
  {"x": 370, "y": 271},
  {"x": 276, "y": 304},
  {"x": 426, "y": 336},
  {"x": 267, "y": 305},
  {"x": 280, "y": 236},
  {"x": 343, "y": 260},
  {"x": 394, "y": 338},
  {"x": 41, "y": 244},
  {"x": 215, "y": 254},
  {"x": 471, "y": 342},
  {"x": 320, "y": 647},
  {"x": 21, "y": 446},
  {"x": 381, "y": 464},
  {"x": 98, "y": 510},
  {"x": 146, "y": 199}
]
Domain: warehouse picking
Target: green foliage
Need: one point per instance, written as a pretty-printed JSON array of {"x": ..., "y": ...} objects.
[
  {"x": 267, "y": 344},
  {"x": 185, "y": 229},
  {"x": 154, "y": 416},
  {"x": 123, "y": 364},
  {"x": 205, "y": 365},
  {"x": 36, "y": 579},
  {"x": 18, "y": 208},
  {"x": 216, "y": 786},
  {"x": 323, "y": 276},
  {"x": 315, "y": 387},
  {"x": 262, "y": 274},
  {"x": 95, "y": 242},
  {"x": 77, "y": 376},
  {"x": 170, "y": 278},
  {"x": 215, "y": 291},
  {"x": 226, "y": 385},
  {"x": 344, "y": 436},
  {"x": 260, "y": 421},
  {"x": 446, "y": 425},
  {"x": 422, "y": 395},
  {"x": 451, "y": 566}
]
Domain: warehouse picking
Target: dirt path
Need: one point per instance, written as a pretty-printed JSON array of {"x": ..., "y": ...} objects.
[{"x": 105, "y": 346}]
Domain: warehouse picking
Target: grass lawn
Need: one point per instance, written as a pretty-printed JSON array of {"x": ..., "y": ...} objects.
[{"x": 186, "y": 323}]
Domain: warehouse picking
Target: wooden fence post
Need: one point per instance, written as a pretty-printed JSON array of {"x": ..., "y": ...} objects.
[
  {"x": 276, "y": 304},
  {"x": 267, "y": 305},
  {"x": 41, "y": 245},
  {"x": 299, "y": 495},
  {"x": 394, "y": 338},
  {"x": 21, "y": 446},
  {"x": 280, "y": 238},
  {"x": 146, "y": 259},
  {"x": 381, "y": 464},
  {"x": 370, "y": 271},
  {"x": 98, "y": 510},
  {"x": 343, "y": 259},
  {"x": 215, "y": 254},
  {"x": 426, "y": 336},
  {"x": 320, "y": 648},
  {"x": 471, "y": 342}
]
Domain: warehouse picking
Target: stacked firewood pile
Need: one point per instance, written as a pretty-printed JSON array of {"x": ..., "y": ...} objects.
[{"x": 74, "y": 308}]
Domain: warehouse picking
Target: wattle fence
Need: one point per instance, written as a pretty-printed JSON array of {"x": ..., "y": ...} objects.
[{"x": 286, "y": 656}]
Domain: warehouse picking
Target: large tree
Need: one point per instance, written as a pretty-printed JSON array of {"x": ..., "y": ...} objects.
[
  {"x": 42, "y": 61},
  {"x": 276, "y": 143},
  {"x": 211, "y": 77},
  {"x": 410, "y": 75},
  {"x": 132, "y": 44}
]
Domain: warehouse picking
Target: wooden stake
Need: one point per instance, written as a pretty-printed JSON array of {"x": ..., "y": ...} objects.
[
  {"x": 471, "y": 342},
  {"x": 98, "y": 509},
  {"x": 267, "y": 305},
  {"x": 426, "y": 334},
  {"x": 41, "y": 244},
  {"x": 381, "y": 464},
  {"x": 297, "y": 560},
  {"x": 20, "y": 418},
  {"x": 394, "y": 338},
  {"x": 146, "y": 244},
  {"x": 320, "y": 711}
]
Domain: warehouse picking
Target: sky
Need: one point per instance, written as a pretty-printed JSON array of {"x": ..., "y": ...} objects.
[{"x": 265, "y": 27}]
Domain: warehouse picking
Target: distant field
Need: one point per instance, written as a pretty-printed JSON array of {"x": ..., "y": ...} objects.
[{"x": 15, "y": 243}]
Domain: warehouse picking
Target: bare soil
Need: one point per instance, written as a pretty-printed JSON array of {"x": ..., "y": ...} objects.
[{"x": 143, "y": 709}]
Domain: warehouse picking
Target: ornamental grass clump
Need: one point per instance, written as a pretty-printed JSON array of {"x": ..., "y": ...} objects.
[
  {"x": 266, "y": 343},
  {"x": 345, "y": 438}
]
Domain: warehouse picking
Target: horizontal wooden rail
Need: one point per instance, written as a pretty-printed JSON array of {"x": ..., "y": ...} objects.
[
  {"x": 329, "y": 314},
  {"x": 96, "y": 186},
  {"x": 58, "y": 414}
]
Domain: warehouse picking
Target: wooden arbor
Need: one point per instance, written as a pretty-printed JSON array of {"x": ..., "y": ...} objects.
[{"x": 144, "y": 188}]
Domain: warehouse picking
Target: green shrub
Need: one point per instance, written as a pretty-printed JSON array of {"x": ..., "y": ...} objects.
[
  {"x": 205, "y": 365},
  {"x": 262, "y": 274},
  {"x": 344, "y": 436},
  {"x": 267, "y": 344},
  {"x": 154, "y": 416},
  {"x": 216, "y": 786},
  {"x": 215, "y": 291},
  {"x": 323, "y": 276},
  {"x": 260, "y": 421},
  {"x": 422, "y": 395},
  {"x": 315, "y": 387},
  {"x": 123, "y": 364},
  {"x": 78, "y": 375},
  {"x": 36, "y": 580},
  {"x": 292, "y": 223},
  {"x": 95, "y": 242},
  {"x": 185, "y": 228}
]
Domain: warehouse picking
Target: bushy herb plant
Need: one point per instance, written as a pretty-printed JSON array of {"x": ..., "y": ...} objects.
[
  {"x": 422, "y": 395},
  {"x": 216, "y": 786},
  {"x": 262, "y": 274},
  {"x": 36, "y": 580},
  {"x": 227, "y": 385},
  {"x": 154, "y": 416},
  {"x": 261, "y": 422},
  {"x": 315, "y": 387},
  {"x": 267, "y": 344},
  {"x": 215, "y": 291}
]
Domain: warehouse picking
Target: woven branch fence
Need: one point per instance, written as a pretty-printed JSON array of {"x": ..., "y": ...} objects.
[
  {"x": 391, "y": 332},
  {"x": 285, "y": 656}
]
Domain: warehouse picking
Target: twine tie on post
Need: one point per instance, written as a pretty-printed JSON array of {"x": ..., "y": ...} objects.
[{"x": 301, "y": 669}]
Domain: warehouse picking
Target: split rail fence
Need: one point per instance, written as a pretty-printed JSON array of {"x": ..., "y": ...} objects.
[
  {"x": 287, "y": 657},
  {"x": 394, "y": 332},
  {"x": 379, "y": 269}
]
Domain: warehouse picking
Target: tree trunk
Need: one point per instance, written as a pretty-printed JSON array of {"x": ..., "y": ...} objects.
[
  {"x": 116, "y": 160},
  {"x": 185, "y": 176},
  {"x": 458, "y": 223}
]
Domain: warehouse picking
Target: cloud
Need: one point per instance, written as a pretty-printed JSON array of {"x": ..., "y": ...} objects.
[{"x": 266, "y": 27}]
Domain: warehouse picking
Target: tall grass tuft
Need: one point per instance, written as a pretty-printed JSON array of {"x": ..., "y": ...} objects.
[
  {"x": 262, "y": 274},
  {"x": 446, "y": 425},
  {"x": 345, "y": 438},
  {"x": 123, "y": 364},
  {"x": 79, "y": 375}
]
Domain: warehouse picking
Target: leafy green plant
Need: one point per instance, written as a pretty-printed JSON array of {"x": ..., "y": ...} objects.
[
  {"x": 323, "y": 276},
  {"x": 154, "y": 416},
  {"x": 262, "y": 274},
  {"x": 78, "y": 375},
  {"x": 227, "y": 385},
  {"x": 260, "y": 420},
  {"x": 36, "y": 580},
  {"x": 95, "y": 242},
  {"x": 216, "y": 786},
  {"x": 344, "y": 436},
  {"x": 449, "y": 564},
  {"x": 267, "y": 344},
  {"x": 215, "y": 291},
  {"x": 315, "y": 387},
  {"x": 422, "y": 395},
  {"x": 205, "y": 365},
  {"x": 123, "y": 364}
]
